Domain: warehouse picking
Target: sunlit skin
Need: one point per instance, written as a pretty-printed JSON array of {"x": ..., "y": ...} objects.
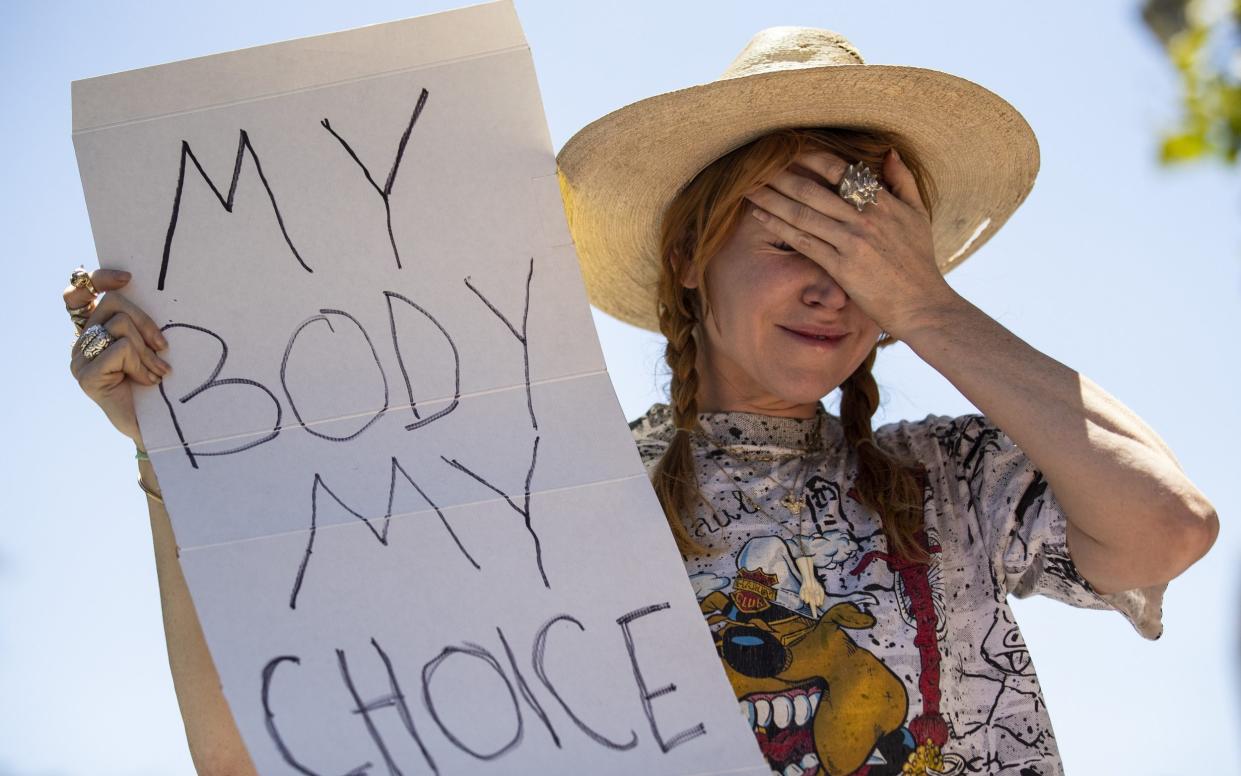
[
  {"x": 749, "y": 360},
  {"x": 763, "y": 292}
]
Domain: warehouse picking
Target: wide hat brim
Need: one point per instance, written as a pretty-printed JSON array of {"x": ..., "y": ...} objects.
[{"x": 619, "y": 173}]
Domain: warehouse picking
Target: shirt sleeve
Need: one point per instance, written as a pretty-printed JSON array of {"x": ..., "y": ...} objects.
[
  {"x": 651, "y": 433},
  {"x": 1023, "y": 527}
]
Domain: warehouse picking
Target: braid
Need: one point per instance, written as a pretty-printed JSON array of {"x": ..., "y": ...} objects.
[
  {"x": 675, "y": 479},
  {"x": 884, "y": 483},
  {"x": 681, "y": 354}
]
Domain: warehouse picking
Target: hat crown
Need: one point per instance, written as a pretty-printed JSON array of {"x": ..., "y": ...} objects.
[{"x": 791, "y": 48}]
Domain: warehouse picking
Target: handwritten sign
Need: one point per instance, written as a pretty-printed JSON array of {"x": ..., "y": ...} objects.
[{"x": 413, "y": 521}]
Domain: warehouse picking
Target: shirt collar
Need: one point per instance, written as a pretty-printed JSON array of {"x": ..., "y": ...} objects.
[{"x": 753, "y": 430}]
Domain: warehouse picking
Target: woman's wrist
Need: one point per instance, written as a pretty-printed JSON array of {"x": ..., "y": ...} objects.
[
  {"x": 152, "y": 493},
  {"x": 146, "y": 476}
]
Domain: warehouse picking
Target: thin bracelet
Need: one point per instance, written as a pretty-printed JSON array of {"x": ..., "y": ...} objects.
[
  {"x": 149, "y": 491},
  {"x": 141, "y": 454}
]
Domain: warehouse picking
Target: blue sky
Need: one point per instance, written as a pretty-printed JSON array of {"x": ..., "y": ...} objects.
[{"x": 1126, "y": 271}]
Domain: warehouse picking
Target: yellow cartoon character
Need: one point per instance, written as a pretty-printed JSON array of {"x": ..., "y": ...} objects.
[{"x": 814, "y": 697}]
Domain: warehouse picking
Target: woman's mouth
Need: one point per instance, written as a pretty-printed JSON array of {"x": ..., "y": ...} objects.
[{"x": 817, "y": 338}]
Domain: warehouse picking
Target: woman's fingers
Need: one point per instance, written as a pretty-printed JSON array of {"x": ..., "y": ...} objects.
[
  {"x": 802, "y": 213},
  {"x": 807, "y": 180},
  {"x": 896, "y": 184},
  {"x": 105, "y": 381},
  {"x": 902, "y": 182},
  {"x": 102, "y": 279},
  {"x": 126, "y": 356},
  {"x": 114, "y": 303},
  {"x": 823, "y": 253},
  {"x": 122, "y": 325}
]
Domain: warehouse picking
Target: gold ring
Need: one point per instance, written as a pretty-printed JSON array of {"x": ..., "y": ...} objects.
[
  {"x": 81, "y": 279},
  {"x": 80, "y": 316}
]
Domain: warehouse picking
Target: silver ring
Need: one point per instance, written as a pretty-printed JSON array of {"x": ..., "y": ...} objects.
[
  {"x": 97, "y": 345},
  {"x": 87, "y": 336},
  {"x": 859, "y": 186}
]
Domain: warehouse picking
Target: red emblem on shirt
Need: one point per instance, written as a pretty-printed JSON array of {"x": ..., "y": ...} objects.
[{"x": 753, "y": 590}]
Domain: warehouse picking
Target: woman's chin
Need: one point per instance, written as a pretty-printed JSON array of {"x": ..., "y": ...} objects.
[{"x": 808, "y": 392}]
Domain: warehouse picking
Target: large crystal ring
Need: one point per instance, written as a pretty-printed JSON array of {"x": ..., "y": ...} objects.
[{"x": 859, "y": 186}]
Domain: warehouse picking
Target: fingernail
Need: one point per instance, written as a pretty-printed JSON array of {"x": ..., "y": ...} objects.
[
  {"x": 761, "y": 215},
  {"x": 125, "y": 276},
  {"x": 159, "y": 340}
]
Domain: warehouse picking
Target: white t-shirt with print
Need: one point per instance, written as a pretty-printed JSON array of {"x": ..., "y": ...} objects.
[{"x": 899, "y": 655}]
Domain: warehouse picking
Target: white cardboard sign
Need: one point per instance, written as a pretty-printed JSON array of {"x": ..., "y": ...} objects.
[{"x": 413, "y": 521}]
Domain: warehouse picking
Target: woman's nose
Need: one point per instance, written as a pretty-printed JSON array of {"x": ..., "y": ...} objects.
[{"x": 822, "y": 290}]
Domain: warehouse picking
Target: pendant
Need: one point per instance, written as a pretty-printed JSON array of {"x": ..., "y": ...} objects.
[{"x": 793, "y": 503}]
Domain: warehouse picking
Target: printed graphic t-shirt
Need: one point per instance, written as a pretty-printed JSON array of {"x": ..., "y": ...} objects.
[{"x": 903, "y": 668}]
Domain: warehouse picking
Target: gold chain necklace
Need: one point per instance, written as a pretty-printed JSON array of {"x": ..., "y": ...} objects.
[
  {"x": 793, "y": 503},
  {"x": 794, "y": 499}
]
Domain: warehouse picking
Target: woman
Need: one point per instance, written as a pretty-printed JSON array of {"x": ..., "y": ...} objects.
[{"x": 854, "y": 578}]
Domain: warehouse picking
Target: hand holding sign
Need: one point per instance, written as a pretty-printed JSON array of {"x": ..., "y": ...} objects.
[{"x": 107, "y": 378}]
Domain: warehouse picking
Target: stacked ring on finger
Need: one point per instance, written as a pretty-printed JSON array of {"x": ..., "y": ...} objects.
[
  {"x": 81, "y": 279},
  {"x": 94, "y": 340},
  {"x": 97, "y": 345},
  {"x": 80, "y": 315},
  {"x": 87, "y": 336}
]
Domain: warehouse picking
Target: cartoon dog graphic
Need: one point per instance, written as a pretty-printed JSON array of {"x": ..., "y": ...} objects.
[{"x": 816, "y": 699}]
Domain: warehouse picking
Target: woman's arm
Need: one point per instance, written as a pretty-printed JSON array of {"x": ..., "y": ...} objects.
[
  {"x": 215, "y": 744},
  {"x": 108, "y": 376},
  {"x": 1135, "y": 519}
]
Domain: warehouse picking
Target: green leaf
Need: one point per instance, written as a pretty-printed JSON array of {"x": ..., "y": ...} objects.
[{"x": 1182, "y": 148}]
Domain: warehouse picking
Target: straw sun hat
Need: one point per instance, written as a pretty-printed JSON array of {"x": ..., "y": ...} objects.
[{"x": 619, "y": 173}]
